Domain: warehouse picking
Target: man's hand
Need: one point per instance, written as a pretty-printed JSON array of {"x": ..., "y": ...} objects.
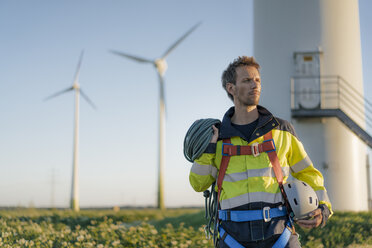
[
  {"x": 215, "y": 135},
  {"x": 315, "y": 221}
]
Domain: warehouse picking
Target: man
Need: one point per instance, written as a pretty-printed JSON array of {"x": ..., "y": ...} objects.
[{"x": 249, "y": 182}]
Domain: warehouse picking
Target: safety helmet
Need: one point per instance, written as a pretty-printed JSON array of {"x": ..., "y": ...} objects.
[{"x": 301, "y": 197}]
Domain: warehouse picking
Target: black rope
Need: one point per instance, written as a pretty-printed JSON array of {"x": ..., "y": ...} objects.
[
  {"x": 211, "y": 212},
  {"x": 198, "y": 137}
]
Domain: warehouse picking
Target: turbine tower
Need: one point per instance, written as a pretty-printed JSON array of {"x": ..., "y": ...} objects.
[
  {"x": 161, "y": 66},
  {"x": 310, "y": 52},
  {"x": 74, "y": 202}
]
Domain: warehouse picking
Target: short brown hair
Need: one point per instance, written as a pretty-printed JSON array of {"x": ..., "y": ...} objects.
[{"x": 229, "y": 75}]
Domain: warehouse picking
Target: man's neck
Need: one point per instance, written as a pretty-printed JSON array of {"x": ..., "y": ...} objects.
[{"x": 244, "y": 115}]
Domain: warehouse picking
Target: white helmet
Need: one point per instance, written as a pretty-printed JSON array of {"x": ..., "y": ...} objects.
[{"x": 301, "y": 198}]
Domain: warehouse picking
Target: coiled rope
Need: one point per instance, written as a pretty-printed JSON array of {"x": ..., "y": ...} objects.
[
  {"x": 198, "y": 137},
  {"x": 195, "y": 143}
]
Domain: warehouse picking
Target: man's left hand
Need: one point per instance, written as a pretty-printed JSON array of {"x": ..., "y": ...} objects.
[{"x": 315, "y": 221}]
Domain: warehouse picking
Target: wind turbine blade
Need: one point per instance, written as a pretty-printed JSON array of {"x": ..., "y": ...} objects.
[
  {"x": 170, "y": 49},
  {"x": 59, "y": 93},
  {"x": 87, "y": 99},
  {"x": 76, "y": 78},
  {"x": 136, "y": 58}
]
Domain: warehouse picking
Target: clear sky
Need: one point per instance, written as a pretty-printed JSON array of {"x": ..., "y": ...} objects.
[{"x": 40, "y": 43}]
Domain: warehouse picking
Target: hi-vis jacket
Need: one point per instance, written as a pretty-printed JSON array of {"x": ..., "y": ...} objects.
[{"x": 250, "y": 179}]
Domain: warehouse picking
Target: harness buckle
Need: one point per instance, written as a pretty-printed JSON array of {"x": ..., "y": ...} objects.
[
  {"x": 225, "y": 144},
  {"x": 255, "y": 151},
  {"x": 273, "y": 144},
  {"x": 266, "y": 214}
]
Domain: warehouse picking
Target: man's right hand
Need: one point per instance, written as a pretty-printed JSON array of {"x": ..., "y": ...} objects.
[{"x": 215, "y": 135}]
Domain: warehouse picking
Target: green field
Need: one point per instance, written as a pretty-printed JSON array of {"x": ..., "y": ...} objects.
[{"x": 152, "y": 228}]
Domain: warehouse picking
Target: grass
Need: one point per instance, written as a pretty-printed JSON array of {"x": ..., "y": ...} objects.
[{"x": 153, "y": 228}]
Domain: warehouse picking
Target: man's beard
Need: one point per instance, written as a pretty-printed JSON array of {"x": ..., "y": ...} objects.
[{"x": 251, "y": 102}]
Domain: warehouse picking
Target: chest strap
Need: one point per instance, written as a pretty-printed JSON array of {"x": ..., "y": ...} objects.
[{"x": 267, "y": 145}]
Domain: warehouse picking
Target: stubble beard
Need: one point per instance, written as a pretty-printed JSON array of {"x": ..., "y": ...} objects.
[{"x": 252, "y": 102}]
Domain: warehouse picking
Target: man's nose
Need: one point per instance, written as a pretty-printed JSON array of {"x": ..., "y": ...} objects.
[{"x": 254, "y": 84}]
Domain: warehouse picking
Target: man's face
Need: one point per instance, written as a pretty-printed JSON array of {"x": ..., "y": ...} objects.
[{"x": 247, "y": 90}]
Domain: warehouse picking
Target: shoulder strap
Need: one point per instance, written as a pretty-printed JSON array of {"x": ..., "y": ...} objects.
[
  {"x": 273, "y": 156},
  {"x": 221, "y": 174}
]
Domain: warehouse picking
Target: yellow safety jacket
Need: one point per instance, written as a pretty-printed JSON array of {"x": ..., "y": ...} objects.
[{"x": 250, "y": 179}]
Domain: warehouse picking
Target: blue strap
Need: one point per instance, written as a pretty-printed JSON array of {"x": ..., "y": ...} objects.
[
  {"x": 280, "y": 243},
  {"x": 284, "y": 237},
  {"x": 251, "y": 215},
  {"x": 230, "y": 241}
]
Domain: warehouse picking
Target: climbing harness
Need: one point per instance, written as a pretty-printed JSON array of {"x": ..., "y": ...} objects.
[{"x": 268, "y": 146}]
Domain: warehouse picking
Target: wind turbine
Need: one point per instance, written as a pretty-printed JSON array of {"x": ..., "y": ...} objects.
[
  {"x": 74, "y": 201},
  {"x": 161, "y": 66}
]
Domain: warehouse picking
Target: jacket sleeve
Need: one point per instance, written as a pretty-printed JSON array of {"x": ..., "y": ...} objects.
[
  {"x": 203, "y": 171},
  {"x": 303, "y": 169}
]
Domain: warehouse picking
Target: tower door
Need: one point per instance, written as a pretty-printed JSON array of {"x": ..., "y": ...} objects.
[{"x": 307, "y": 83}]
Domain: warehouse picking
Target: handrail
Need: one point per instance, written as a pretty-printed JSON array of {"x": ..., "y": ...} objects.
[
  {"x": 339, "y": 79},
  {"x": 334, "y": 93}
]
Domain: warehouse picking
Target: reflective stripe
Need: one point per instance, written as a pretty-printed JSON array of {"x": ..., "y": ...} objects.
[
  {"x": 264, "y": 172},
  {"x": 322, "y": 195},
  {"x": 303, "y": 164},
  {"x": 204, "y": 170},
  {"x": 251, "y": 197}
]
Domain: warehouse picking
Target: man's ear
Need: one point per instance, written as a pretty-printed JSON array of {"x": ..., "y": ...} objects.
[{"x": 230, "y": 88}]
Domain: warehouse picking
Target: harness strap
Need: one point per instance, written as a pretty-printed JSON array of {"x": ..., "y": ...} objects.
[
  {"x": 221, "y": 174},
  {"x": 228, "y": 239},
  {"x": 231, "y": 150},
  {"x": 273, "y": 156},
  {"x": 250, "y": 215},
  {"x": 280, "y": 243},
  {"x": 284, "y": 237}
]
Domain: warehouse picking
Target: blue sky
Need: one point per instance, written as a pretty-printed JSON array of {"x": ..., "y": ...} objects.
[{"x": 40, "y": 45}]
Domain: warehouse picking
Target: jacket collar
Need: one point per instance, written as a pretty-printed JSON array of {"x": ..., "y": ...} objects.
[{"x": 266, "y": 122}]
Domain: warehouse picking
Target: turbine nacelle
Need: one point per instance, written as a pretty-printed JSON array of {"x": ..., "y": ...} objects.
[
  {"x": 76, "y": 86},
  {"x": 161, "y": 66}
]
